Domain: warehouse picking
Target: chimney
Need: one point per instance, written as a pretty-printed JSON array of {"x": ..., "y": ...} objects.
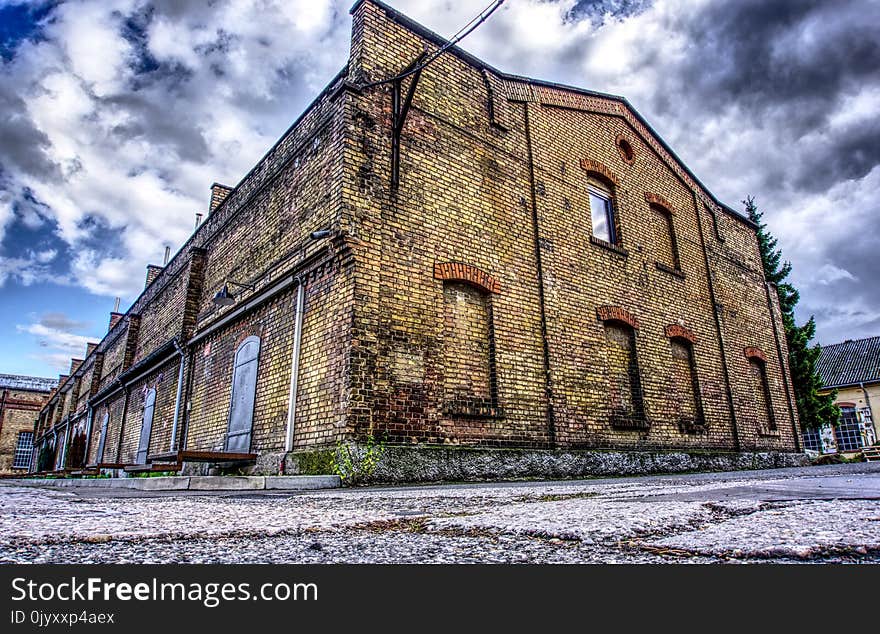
[
  {"x": 167, "y": 256},
  {"x": 90, "y": 348},
  {"x": 74, "y": 365},
  {"x": 198, "y": 220},
  {"x": 218, "y": 195},
  {"x": 61, "y": 379},
  {"x": 152, "y": 273},
  {"x": 116, "y": 305},
  {"x": 114, "y": 319}
]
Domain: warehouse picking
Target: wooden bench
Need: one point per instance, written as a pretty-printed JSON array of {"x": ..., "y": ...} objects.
[{"x": 202, "y": 456}]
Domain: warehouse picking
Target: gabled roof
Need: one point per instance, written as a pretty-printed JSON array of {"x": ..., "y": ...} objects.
[
  {"x": 474, "y": 61},
  {"x": 850, "y": 363},
  {"x": 27, "y": 383}
]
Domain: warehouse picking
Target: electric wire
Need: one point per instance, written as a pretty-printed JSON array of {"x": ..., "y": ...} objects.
[{"x": 462, "y": 33}]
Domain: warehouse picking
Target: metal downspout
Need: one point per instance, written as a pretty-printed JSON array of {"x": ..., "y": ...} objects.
[
  {"x": 548, "y": 383},
  {"x": 785, "y": 373},
  {"x": 180, "y": 368},
  {"x": 725, "y": 370},
  {"x": 294, "y": 367}
]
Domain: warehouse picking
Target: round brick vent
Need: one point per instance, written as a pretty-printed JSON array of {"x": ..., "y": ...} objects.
[{"x": 626, "y": 150}]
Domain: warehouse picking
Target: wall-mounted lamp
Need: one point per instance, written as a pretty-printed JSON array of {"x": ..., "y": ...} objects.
[{"x": 225, "y": 298}]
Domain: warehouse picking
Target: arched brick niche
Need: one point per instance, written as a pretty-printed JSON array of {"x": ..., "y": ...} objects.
[
  {"x": 677, "y": 331},
  {"x": 625, "y": 147},
  {"x": 755, "y": 353},
  {"x": 595, "y": 167},
  {"x": 616, "y": 313},
  {"x": 660, "y": 201},
  {"x": 461, "y": 272}
]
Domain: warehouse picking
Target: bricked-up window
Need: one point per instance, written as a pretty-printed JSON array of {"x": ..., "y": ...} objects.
[
  {"x": 664, "y": 235},
  {"x": 687, "y": 388},
  {"x": 24, "y": 445},
  {"x": 602, "y": 212},
  {"x": 761, "y": 391},
  {"x": 624, "y": 384},
  {"x": 469, "y": 351}
]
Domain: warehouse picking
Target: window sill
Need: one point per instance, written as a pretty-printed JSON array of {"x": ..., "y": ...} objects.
[
  {"x": 610, "y": 247},
  {"x": 473, "y": 411},
  {"x": 671, "y": 270},
  {"x": 629, "y": 424},
  {"x": 689, "y": 427}
]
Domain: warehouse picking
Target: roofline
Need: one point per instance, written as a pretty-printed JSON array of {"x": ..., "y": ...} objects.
[
  {"x": 848, "y": 341},
  {"x": 428, "y": 34},
  {"x": 853, "y": 384}
]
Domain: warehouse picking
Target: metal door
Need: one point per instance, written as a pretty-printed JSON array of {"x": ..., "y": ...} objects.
[
  {"x": 105, "y": 422},
  {"x": 146, "y": 427},
  {"x": 244, "y": 385}
]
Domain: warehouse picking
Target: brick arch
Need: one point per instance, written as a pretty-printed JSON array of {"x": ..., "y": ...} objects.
[
  {"x": 752, "y": 352},
  {"x": 677, "y": 331},
  {"x": 462, "y": 272},
  {"x": 660, "y": 201},
  {"x": 616, "y": 313},
  {"x": 595, "y": 167}
]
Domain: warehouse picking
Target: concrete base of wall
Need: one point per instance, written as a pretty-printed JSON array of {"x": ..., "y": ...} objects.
[{"x": 401, "y": 464}]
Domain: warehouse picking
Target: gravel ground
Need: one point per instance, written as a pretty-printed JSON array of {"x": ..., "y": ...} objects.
[{"x": 814, "y": 514}]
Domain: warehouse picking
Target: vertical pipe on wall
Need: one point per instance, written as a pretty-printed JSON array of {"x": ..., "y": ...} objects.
[
  {"x": 783, "y": 368},
  {"x": 294, "y": 366},
  {"x": 548, "y": 384},
  {"x": 725, "y": 371},
  {"x": 180, "y": 367}
]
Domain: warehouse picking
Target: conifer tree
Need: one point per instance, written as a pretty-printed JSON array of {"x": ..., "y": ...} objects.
[{"x": 814, "y": 409}]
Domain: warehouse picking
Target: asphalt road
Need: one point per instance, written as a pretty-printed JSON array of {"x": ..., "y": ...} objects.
[{"x": 813, "y": 514}]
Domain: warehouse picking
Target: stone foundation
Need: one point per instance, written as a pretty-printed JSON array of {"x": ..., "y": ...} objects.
[{"x": 404, "y": 464}]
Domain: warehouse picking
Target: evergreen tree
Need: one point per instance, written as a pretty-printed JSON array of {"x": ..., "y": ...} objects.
[{"x": 814, "y": 409}]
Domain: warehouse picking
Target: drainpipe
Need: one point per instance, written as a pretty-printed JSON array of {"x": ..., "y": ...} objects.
[
  {"x": 294, "y": 366},
  {"x": 122, "y": 422},
  {"x": 782, "y": 367},
  {"x": 548, "y": 383},
  {"x": 719, "y": 331},
  {"x": 177, "y": 396},
  {"x": 89, "y": 416}
]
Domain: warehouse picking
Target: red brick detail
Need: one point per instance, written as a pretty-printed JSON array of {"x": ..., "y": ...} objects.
[
  {"x": 674, "y": 331},
  {"x": 626, "y": 149},
  {"x": 755, "y": 353},
  {"x": 466, "y": 273},
  {"x": 660, "y": 201},
  {"x": 616, "y": 313},
  {"x": 595, "y": 167}
]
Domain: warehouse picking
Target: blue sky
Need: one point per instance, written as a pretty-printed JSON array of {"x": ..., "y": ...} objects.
[{"x": 117, "y": 115}]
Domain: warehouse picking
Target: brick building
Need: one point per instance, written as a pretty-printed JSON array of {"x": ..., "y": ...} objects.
[
  {"x": 21, "y": 399},
  {"x": 460, "y": 257}
]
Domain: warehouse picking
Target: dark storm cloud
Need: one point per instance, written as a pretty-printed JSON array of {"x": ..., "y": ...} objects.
[
  {"x": 596, "y": 10},
  {"x": 23, "y": 144},
  {"x": 762, "y": 53},
  {"x": 60, "y": 321}
]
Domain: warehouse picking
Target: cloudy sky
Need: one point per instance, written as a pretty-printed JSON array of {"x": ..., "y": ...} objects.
[{"x": 117, "y": 115}]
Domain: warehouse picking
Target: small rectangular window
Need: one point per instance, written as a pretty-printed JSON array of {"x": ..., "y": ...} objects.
[
  {"x": 23, "y": 448},
  {"x": 602, "y": 215}
]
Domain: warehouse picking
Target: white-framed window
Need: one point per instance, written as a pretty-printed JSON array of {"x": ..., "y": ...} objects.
[
  {"x": 23, "y": 448},
  {"x": 602, "y": 213}
]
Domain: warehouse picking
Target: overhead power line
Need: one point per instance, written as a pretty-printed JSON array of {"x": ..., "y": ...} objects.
[{"x": 462, "y": 33}]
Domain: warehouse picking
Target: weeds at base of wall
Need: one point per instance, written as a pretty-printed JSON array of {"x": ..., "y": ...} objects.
[{"x": 355, "y": 464}]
